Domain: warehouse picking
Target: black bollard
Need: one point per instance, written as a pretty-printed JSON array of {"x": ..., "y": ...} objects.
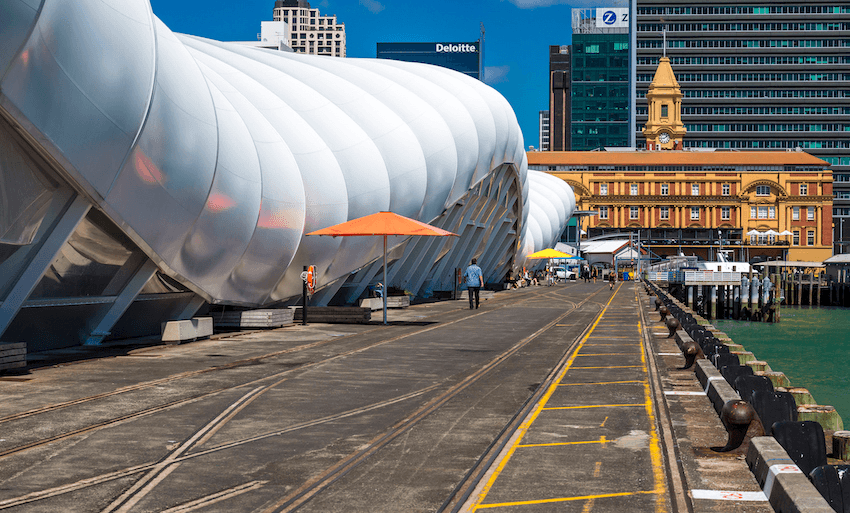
[
  {"x": 658, "y": 303},
  {"x": 663, "y": 311},
  {"x": 672, "y": 326},
  {"x": 736, "y": 417},
  {"x": 691, "y": 351}
]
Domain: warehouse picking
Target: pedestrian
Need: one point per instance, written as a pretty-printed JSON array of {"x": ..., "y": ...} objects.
[
  {"x": 595, "y": 272},
  {"x": 474, "y": 281},
  {"x": 612, "y": 277}
]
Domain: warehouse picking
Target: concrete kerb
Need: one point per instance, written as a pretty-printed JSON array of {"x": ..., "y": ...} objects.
[
  {"x": 718, "y": 390},
  {"x": 786, "y": 487}
]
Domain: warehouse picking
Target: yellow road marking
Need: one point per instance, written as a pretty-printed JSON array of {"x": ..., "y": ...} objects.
[
  {"x": 567, "y": 499},
  {"x": 589, "y": 406},
  {"x": 601, "y": 383},
  {"x": 598, "y": 467},
  {"x": 603, "y": 425},
  {"x": 610, "y": 354},
  {"x": 654, "y": 444},
  {"x": 602, "y": 441},
  {"x": 524, "y": 427},
  {"x": 613, "y": 367}
]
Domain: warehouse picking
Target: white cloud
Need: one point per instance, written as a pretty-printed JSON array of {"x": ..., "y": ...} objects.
[
  {"x": 496, "y": 74},
  {"x": 374, "y": 6}
]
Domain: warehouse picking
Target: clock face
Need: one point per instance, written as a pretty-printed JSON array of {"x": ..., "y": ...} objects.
[{"x": 664, "y": 138}]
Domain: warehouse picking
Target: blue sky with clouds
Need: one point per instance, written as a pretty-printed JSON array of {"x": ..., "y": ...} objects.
[{"x": 516, "y": 51}]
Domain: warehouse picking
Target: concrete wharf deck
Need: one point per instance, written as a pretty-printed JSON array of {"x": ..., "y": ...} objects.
[{"x": 563, "y": 398}]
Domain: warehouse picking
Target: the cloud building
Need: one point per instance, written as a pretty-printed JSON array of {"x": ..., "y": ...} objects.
[{"x": 145, "y": 173}]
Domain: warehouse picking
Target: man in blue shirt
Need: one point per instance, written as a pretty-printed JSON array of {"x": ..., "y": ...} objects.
[{"x": 474, "y": 281}]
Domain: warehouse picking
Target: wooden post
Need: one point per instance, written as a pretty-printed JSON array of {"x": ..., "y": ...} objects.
[
  {"x": 811, "y": 287},
  {"x": 817, "y": 296},
  {"x": 841, "y": 445},
  {"x": 800, "y": 289}
]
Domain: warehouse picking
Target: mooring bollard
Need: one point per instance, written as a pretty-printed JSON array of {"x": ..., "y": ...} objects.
[
  {"x": 691, "y": 351},
  {"x": 672, "y": 326},
  {"x": 658, "y": 303},
  {"x": 663, "y": 311},
  {"x": 736, "y": 417}
]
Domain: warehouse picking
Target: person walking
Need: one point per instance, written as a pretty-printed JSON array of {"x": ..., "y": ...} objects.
[
  {"x": 474, "y": 281},
  {"x": 612, "y": 277}
]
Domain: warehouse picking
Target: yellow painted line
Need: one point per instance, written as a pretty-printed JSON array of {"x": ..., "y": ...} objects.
[
  {"x": 598, "y": 467},
  {"x": 613, "y": 367},
  {"x": 603, "y": 425},
  {"x": 602, "y": 383},
  {"x": 618, "y": 345},
  {"x": 590, "y": 406},
  {"x": 524, "y": 427},
  {"x": 610, "y": 354},
  {"x": 654, "y": 444},
  {"x": 567, "y": 499},
  {"x": 602, "y": 441}
]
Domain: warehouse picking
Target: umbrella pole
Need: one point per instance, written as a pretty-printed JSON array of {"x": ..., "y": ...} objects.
[{"x": 385, "y": 288}]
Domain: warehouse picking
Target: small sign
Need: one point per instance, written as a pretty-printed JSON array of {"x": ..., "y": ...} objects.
[{"x": 612, "y": 17}]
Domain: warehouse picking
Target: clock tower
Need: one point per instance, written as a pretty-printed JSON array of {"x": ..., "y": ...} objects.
[{"x": 664, "y": 129}]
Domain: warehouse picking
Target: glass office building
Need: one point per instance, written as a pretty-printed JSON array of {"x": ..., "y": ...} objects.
[
  {"x": 757, "y": 75},
  {"x": 465, "y": 58},
  {"x": 600, "y": 91},
  {"x": 593, "y": 74}
]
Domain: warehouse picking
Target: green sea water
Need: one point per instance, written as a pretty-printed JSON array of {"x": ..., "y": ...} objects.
[{"x": 810, "y": 345}]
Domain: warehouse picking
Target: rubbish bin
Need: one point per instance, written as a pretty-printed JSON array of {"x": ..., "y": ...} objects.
[{"x": 625, "y": 276}]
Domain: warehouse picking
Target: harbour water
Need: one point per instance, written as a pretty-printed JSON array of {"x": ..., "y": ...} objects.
[{"x": 810, "y": 345}]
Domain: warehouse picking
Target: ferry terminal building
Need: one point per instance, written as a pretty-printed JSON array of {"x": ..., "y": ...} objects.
[{"x": 761, "y": 204}]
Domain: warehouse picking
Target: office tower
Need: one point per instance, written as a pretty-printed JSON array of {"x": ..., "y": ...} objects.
[
  {"x": 760, "y": 75},
  {"x": 559, "y": 97},
  {"x": 466, "y": 58},
  {"x": 544, "y": 130},
  {"x": 311, "y": 32}
]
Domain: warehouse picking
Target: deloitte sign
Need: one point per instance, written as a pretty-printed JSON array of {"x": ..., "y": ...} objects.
[
  {"x": 462, "y": 57},
  {"x": 456, "y": 48}
]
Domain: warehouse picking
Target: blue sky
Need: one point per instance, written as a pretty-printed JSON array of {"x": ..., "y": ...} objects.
[{"x": 516, "y": 51}]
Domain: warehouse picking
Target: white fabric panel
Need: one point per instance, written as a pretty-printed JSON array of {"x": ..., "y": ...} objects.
[
  {"x": 89, "y": 102},
  {"x": 216, "y": 158}
]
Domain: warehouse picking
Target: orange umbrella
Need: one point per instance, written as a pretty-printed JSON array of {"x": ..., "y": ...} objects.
[{"x": 383, "y": 224}]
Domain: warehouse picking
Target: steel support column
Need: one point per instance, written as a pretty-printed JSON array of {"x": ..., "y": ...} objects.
[
  {"x": 66, "y": 223},
  {"x": 122, "y": 302}
]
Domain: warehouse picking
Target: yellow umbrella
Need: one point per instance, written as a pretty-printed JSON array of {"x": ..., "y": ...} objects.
[{"x": 549, "y": 253}]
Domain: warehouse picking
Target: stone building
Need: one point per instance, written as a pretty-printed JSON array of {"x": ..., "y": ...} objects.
[{"x": 761, "y": 204}]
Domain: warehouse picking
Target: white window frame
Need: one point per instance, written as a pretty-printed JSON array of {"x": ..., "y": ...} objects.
[
  {"x": 695, "y": 213},
  {"x": 694, "y": 189},
  {"x": 603, "y": 189},
  {"x": 603, "y": 213},
  {"x": 665, "y": 189},
  {"x": 753, "y": 213},
  {"x": 795, "y": 238},
  {"x": 810, "y": 237},
  {"x": 795, "y": 213},
  {"x": 810, "y": 214},
  {"x": 760, "y": 190},
  {"x": 664, "y": 213},
  {"x": 762, "y": 212},
  {"x": 771, "y": 212},
  {"x": 633, "y": 189},
  {"x": 804, "y": 189},
  {"x": 725, "y": 213},
  {"x": 634, "y": 213},
  {"x": 727, "y": 189}
]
